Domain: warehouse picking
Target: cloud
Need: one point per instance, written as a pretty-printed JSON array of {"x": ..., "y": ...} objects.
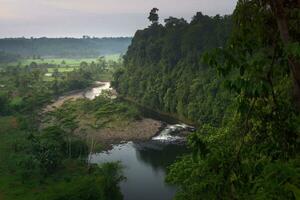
[
  {"x": 95, "y": 17},
  {"x": 140, "y": 6}
]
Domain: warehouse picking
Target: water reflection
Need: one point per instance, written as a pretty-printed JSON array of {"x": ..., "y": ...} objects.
[
  {"x": 157, "y": 154},
  {"x": 145, "y": 168}
]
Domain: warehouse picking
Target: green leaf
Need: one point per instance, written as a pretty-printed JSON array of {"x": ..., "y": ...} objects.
[{"x": 294, "y": 189}]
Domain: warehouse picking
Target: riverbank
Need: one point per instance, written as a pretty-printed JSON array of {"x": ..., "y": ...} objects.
[
  {"x": 136, "y": 131},
  {"x": 103, "y": 120},
  {"x": 110, "y": 120},
  {"x": 156, "y": 114},
  {"x": 89, "y": 93}
]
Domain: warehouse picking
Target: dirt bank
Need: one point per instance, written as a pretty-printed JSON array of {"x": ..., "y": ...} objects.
[
  {"x": 90, "y": 93},
  {"x": 61, "y": 100},
  {"x": 112, "y": 130},
  {"x": 140, "y": 130}
]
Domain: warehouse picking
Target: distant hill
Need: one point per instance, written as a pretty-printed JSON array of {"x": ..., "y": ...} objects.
[
  {"x": 8, "y": 57},
  {"x": 65, "y": 47}
]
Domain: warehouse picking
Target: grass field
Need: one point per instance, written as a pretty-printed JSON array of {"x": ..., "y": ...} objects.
[
  {"x": 65, "y": 65},
  {"x": 70, "y": 62},
  {"x": 62, "y": 69},
  {"x": 113, "y": 57}
]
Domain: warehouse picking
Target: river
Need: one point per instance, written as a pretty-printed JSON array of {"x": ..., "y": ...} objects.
[
  {"x": 144, "y": 168},
  {"x": 145, "y": 163},
  {"x": 90, "y": 93},
  {"x": 97, "y": 90}
]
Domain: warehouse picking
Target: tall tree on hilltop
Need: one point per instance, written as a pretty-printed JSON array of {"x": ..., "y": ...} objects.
[{"x": 153, "y": 16}]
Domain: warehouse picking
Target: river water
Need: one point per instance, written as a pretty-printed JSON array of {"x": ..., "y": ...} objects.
[
  {"x": 145, "y": 163},
  {"x": 145, "y": 167},
  {"x": 96, "y": 91}
]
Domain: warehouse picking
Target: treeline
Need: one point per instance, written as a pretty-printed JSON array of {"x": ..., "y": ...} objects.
[
  {"x": 26, "y": 88},
  {"x": 237, "y": 78},
  {"x": 8, "y": 57},
  {"x": 163, "y": 68},
  {"x": 65, "y": 47},
  {"x": 48, "y": 162}
]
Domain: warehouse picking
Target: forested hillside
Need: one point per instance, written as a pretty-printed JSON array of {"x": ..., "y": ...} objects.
[
  {"x": 8, "y": 57},
  {"x": 237, "y": 78},
  {"x": 50, "y": 162},
  {"x": 65, "y": 47},
  {"x": 163, "y": 68}
]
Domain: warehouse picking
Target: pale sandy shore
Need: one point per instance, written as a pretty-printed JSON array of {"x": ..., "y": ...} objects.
[
  {"x": 89, "y": 93},
  {"x": 140, "y": 130}
]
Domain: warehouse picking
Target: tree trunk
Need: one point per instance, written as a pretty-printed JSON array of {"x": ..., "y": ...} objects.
[
  {"x": 294, "y": 64},
  {"x": 296, "y": 80}
]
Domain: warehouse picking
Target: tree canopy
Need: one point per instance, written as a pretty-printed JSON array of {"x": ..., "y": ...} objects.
[
  {"x": 236, "y": 78},
  {"x": 65, "y": 47},
  {"x": 153, "y": 16}
]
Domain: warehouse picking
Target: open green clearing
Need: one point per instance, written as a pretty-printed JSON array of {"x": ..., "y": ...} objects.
[
  {"x": 64, "y": 62},
  {"x": 62, "y": 69},
  {"x": 59, "y": 67}
]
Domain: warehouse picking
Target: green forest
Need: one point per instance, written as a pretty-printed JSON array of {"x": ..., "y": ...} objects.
[
  {"x": 163, "y": 68},
  {"x": 237, "y": 79},
  {"x": 50, "y": 162},
  {"x": 186, "y": 109},
  {"x": 85, "y": 47}
]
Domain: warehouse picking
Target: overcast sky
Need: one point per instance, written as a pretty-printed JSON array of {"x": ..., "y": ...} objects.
[{"x": 100, "y": 18}]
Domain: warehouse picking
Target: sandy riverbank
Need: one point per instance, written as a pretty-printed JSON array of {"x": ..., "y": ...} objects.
[
  {"x": 89, "y": 93},
  {"x": 118, "y": 131},
  {"x": 139, "y": 130}
]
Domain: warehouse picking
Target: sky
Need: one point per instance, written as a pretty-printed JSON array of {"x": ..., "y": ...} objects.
[{"x": 98, "y": 18}]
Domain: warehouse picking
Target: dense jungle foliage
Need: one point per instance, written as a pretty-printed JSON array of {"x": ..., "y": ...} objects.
[
  {"x": 48, "y": 162},
  {"x": 236, "y": 77},
  {"x": 65, "y": 47},
  {"x": 163, "y": 68}
]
